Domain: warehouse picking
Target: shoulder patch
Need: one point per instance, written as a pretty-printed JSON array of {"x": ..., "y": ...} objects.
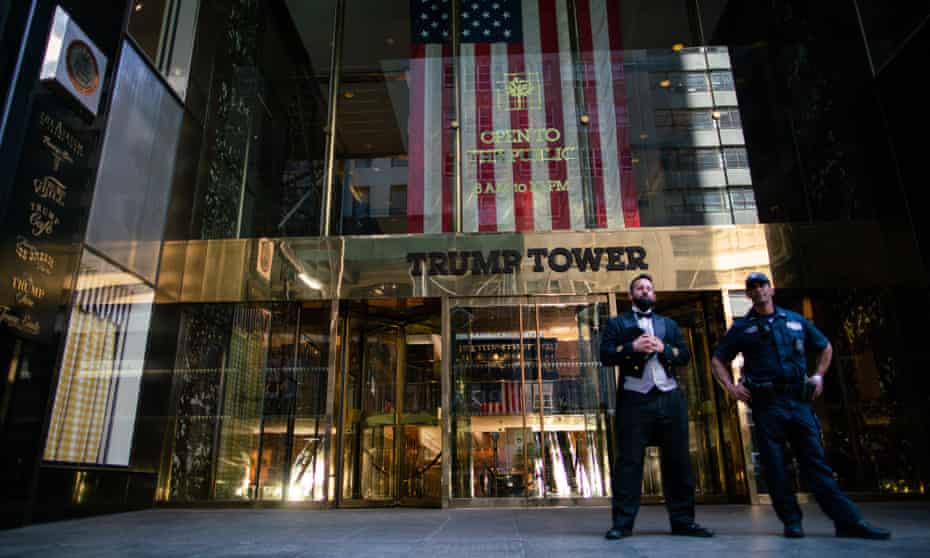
[{"x": 796, "y": 326}]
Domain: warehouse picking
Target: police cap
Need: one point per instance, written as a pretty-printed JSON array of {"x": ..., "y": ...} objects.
[{"x": 757, "y": 277}]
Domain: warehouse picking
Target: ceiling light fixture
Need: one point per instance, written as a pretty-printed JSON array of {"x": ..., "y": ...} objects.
[{"x": 678, "y": 46}]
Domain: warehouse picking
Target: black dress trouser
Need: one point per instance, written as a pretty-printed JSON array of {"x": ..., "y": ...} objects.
[{"x": 654, "y": 419}]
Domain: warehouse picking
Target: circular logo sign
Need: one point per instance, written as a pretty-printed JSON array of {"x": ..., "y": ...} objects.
[{"x": 82, "y": 68}]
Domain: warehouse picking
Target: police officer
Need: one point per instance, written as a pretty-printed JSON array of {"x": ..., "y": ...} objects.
[{"x": 774, "y": 344}]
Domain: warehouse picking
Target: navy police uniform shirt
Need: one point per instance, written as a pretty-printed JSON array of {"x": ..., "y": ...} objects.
[{"x": 774, "y": 347}]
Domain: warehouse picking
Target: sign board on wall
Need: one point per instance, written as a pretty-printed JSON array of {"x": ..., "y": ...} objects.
[
  {"x": 73, "y": 62},
  {"x": 38, "y": 245}
]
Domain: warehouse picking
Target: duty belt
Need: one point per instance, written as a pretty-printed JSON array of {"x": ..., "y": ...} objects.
[{"x": 803, "y": 390}]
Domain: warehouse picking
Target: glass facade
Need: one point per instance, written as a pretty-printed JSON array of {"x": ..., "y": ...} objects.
[{"x": 353, "y": 253}]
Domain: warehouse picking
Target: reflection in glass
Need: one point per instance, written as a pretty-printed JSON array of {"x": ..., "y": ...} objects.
[
  {"x": 576, "y": 436},
  {"x": 394, "y": 153},
  {"x": 242, "y": 382},
  {"x": 93, "y": 418},
  {"x": 688, "y": 151},
  {"x": 165, "y": 30},
  {"x": 548, "y": 439},
  {"x": 251, "y": 410},
  {"x": 260, "y": 72},
  {"x": 392, "y": 443},
  {"x": 490, "y": 438}
]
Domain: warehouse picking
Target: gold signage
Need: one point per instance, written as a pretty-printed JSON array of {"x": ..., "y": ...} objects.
[
  {"x": 42, "y": 219},
  {"x": 27, "y": 252},
  {"x": 24, "y": 323},
  {"x": 59, "y": 155},
  {"x": 27, "y": 292},
  {"x": 50, "y": 188},
  {"x": 519, "y": 91},
  {"x": 56, "y": 128}
]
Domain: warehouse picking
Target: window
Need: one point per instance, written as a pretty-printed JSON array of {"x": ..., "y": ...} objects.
[
  {"x": 664, "y": 119},
  {"x": 398, "y": 199},
  {"x": 743, "y": 199},
  {"x": 707, "y": 159},
  {"x": 361, "y": 202},
  {"x": 730, "y": 119},
  {"x": 165, "y": 30},
  {"x": 736, "y": 158},
  {"x": 693, "y": 120},
  {"x": 722, "y": 81},
  {"x": 695, "y": 82},
  {"x": 705, "y": 201},
  {"x": 94, "y": 414}
]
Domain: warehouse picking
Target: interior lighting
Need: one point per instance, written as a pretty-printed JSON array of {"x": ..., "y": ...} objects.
[
  {"x": 665, "y": 83},
  {"x": 348, "y": 94},
  {"x": 138, "y": 7},
  {"x": 311, "y": 282},
  {"x": 715, "y": 115},
  {"x": 678, "y": 46}
]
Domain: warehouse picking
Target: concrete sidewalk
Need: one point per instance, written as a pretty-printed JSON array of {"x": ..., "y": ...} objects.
[{"x": 562, "y": 532}]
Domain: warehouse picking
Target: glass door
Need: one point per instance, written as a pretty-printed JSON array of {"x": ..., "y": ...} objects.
[
  {"x": 391, "y": 438},
  {"x": 530, "y": 398},
  {"x": 532, "y": 406}
]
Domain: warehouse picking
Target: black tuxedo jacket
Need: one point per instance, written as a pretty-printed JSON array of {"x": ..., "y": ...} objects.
[{"x": 617, "y": 344}]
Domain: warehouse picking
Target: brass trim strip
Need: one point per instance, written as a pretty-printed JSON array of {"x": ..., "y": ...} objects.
[{"x": 331, "y": 118}]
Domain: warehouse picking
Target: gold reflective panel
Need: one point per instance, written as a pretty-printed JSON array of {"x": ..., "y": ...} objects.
[
  {"x": 682, "y": 259},
  {"x": 679, "y": 258}
]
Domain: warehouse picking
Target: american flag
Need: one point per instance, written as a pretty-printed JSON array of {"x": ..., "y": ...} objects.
[
  {"x": 502, "y": 398},
  {"x": 518, "y": 74}
]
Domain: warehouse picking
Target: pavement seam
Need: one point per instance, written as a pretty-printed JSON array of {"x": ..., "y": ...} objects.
[{"x": 439, "y": 529}]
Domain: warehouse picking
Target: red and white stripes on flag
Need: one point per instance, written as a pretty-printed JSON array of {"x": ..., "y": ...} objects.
[
  {"x": 528, "y": 187},
  {"x": 509, "y": 403},
  {"x": 429, "y": 146}
]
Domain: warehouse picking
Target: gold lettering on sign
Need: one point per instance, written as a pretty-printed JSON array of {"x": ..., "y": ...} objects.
[
  {"x": 25, "y": 323},
  {"x": 27, "y": 252},
  {"x": 42, "y": 219},
  {"x": 59, "y": 155},
  {"x": 520, "y": 187},
  {"x": 494, "y": 156},
  {"x": 27, "y": 292},
  {"x": 50, "y": 188},
  {"x": 521, "y": 135},
  {"x": 56, "y": 129}
]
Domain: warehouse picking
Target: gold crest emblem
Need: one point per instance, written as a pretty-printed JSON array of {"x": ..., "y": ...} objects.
[{"x": 520, "y": 91}]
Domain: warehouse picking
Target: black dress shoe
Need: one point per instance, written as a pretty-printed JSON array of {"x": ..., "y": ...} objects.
[
  {"x": 617, "y": 533},
  {"x": 692, "y": 530},
  {"x": 862, "y": 530},
  {"x": 793, "y": 531}
]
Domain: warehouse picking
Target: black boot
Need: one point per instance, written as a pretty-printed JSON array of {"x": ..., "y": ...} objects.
[{"x": 616, "y": 533}]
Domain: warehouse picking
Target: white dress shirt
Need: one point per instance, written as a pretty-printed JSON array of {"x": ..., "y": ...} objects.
[{"x": 654, "y": 374}]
